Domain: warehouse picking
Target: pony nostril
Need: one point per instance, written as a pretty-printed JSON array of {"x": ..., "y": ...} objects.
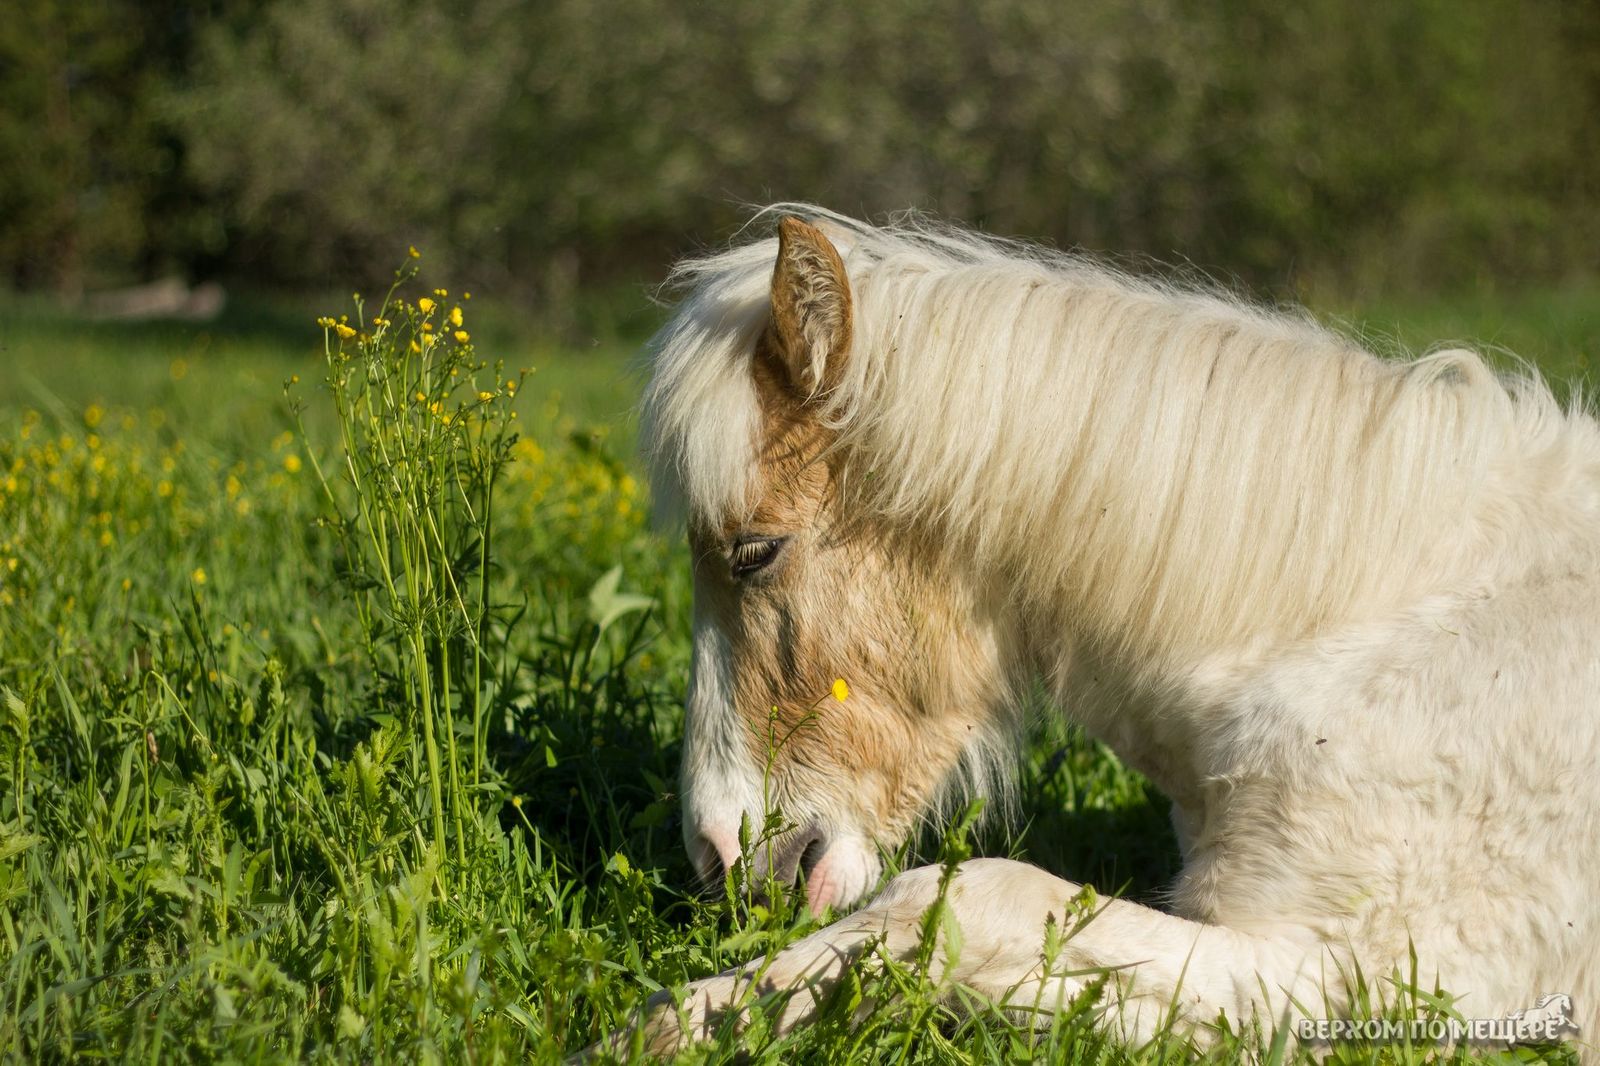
[
  {"x": 702, "y": 856},
  {"x": 713, "y": 852},
  {"x": 810, "y": 855}
]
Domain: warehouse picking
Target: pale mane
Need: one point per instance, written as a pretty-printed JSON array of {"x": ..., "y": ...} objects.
[{"x": 1176, "y": 465}]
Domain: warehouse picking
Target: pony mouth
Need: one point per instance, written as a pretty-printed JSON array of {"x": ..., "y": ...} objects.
[
  {"x": 786, "y": 857},
  {"x": 807, "y": 855},
  {"x": 840, "y": 873},
  {"x": 835, "y": 870}
]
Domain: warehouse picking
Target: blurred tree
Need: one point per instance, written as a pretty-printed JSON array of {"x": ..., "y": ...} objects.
[
  {"x": 331, "y": 129},
  {"x": 72, "y": 145},
  {"x": 545, "y": 144},
  {"x": 92, "y": 189}
]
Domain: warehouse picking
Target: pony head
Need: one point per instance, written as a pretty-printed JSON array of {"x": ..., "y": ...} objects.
[
  {"x": 942, "y": 467},
  {"x": 797, "y": 588}
]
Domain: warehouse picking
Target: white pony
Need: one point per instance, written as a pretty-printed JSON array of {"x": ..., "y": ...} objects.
[{"x": 1344, "y": 611}]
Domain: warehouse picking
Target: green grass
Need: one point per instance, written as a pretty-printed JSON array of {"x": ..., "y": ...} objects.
[
  {"x": 1556, "y": 329},
  {"x": 224, "y": 832}
]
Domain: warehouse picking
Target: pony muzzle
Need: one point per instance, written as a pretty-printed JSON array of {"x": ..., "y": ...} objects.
[{"x": 837, "y": 869}]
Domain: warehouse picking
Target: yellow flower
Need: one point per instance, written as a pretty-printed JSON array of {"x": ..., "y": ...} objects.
[
  {"x": 841, "y": 691},
  {"x": 343, "y": 330},
  {"x": 291, "y": 463},
  {"x": 94, "y": 412},
  {"x": 427, "y": 305},
  {"x": 199, "y": 575},
  {"x": 325, "y": 322},
  {"x": 485, "y": 396},
  {"x": 415, "y": 347},
  {"x": 127, "y": 583},
  {"x": 440, "y": 292},
  {"x": 462, "y": 336},
  {"x": 466, "y": 296},
  {"x": 413, "y": 253},
  {"x": 427, "y": 327},
  {"x": 419, "y": 396},
  {"x": 455, "y": 316}
]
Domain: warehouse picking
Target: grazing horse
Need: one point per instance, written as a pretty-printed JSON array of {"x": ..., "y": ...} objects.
[{"x": 1344, "y": 611}]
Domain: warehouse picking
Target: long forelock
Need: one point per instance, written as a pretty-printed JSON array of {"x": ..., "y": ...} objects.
[
  {"x": 701, "y": 419},
  {"x": 701, "y": 413}
]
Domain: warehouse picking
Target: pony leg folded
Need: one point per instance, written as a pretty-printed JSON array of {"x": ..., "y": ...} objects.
[{"x": 1162, "y": 969}]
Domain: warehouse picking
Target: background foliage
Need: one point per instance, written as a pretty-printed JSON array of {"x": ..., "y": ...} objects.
[
  {"x": 219, "y": 835},
  {"x": 218, "y": 831},
  {"x": 541, "y": 146}
]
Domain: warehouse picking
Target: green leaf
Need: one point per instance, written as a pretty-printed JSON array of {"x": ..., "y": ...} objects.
[
  {"x": 651, "y": 816},
  {"x": 14, "y": 843},
  {"x": 953, "y": 939},
  {"x": 606, "y": 604},
  {"x": 16, "y": 710}
]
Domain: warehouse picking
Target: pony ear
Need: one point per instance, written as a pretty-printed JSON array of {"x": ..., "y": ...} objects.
[{"x": 810, "y": 306}]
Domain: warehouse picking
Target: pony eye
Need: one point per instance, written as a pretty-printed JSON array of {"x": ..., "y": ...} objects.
[{"x": 754, "y": 553}]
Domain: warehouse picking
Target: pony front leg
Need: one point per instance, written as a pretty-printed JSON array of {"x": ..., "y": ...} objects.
[
  {"x": 1162, "y": 968},
  {"x": 804, "y": 972}
]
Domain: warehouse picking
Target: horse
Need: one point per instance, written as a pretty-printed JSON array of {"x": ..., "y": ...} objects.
[
  {"x": 1544, "y": 1021},
  {"x": 1341, "y": 609}
]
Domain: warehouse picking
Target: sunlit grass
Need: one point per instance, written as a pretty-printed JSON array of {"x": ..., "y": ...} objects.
[{"x": 224, "y": 832}]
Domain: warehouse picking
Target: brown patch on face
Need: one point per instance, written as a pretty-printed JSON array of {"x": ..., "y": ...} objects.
[{"x": 845, "y": 597}]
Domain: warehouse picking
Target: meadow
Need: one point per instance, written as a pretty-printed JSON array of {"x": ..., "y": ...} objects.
[{"x": 340, "y": 703}]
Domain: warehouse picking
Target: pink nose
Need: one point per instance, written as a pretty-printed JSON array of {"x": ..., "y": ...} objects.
[{"x": 714, "y": 845}]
